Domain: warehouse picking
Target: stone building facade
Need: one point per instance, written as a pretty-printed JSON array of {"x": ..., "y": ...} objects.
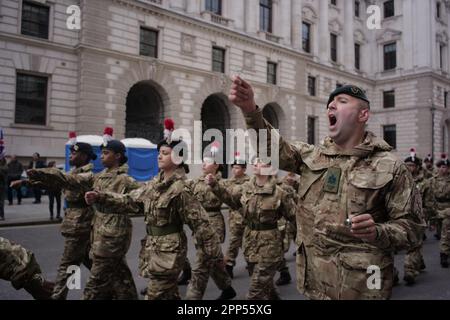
[{"x": 131, "y": 63}]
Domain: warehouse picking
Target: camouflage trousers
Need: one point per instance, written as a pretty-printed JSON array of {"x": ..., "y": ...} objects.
[
  {"x": 414, "y": 261},
  {"x": 17, "y": 264},
  {"x": 218, "y": 224},
  {"x": 201, "y": 272},
  {"x": 110, "y": 279},
  {"x": 261, "y": 283},
  {"x": 163, "y": 267},
  {"x": 288, "y": 233},
  {"x": 76, "y": 252},
  {"x": 237, "y": 227},
  {"x": 445, "y": 236}
]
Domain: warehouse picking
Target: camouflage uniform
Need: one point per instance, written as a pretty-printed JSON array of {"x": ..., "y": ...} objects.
[
  {"x": 167, "y": 205},
  {"x": 441, "y": 191},
  {"x": 331, "y": 263},
  {"x": 288, "y": 230},
  {"x": 111, "y": 231},
  {"x": 261, "y": 207},
  {"x": 235, "y": 221},
  {"x": 17, "y": 264},
  {"x": 202, "y": 269},
  {"x": 75, "y": 228},
  {"x": 414, "y": 262}
]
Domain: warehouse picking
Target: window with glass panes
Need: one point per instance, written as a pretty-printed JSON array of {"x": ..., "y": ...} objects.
[
  {"x": 357, "y": 8},
  {"x": 389, "y": 9},
  {"x": 35, "y": 19},
  {"x": 214, "y": 6},
  {"x": 218, "y": 60},
  {"x": 31, "y": 99},
  {"x": 389, "y": 99},
  {"x": 333, "y": 47},
  {"x": 148, "y": 43},
  {"x": 390, "y": 135},
  {"x": 265, "y": 15},
  {"x": 306, "y": 37},
  {"x": 311, "y": 86},
  {"x": 311, "y": 130},
  {"x": 357, "y": 56},
  {"x": 271, "y": 72},
  {"x": 390, "y": 56}
]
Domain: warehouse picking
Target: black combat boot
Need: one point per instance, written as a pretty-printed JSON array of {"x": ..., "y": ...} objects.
[
  {"x": 186, "y": 275},
  {"x": 284, "y": 279},
  {"x": 227, "y": 294},
  {"x": 229, "y": 270},
  {"x": 444, "y": 260},
  {"x": 409, "y": 279},
  {"x": 396, "y": 279},
  {"x": 39, "y": 288}
]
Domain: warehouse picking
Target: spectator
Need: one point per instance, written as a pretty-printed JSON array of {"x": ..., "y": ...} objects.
[
  {"x": 36, "y": 163},
  {"x": 15, "y": 170},
  {"x": 3, "y": 179},
  {"x": 52, "y": 195}
]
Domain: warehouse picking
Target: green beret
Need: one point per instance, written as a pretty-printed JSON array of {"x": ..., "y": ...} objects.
[{"x": 350, "y": 90}]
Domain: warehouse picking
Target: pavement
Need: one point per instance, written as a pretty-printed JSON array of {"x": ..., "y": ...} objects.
[{"x": 28, "y": 213}]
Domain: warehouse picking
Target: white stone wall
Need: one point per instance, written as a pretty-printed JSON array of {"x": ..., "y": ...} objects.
[{"x": 91, "y": 71}]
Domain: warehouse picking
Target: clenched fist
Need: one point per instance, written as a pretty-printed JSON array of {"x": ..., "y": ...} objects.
[{"x": 91, "y": 197}]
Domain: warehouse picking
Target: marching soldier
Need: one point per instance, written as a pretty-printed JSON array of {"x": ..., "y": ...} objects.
[
  {"x": 202, "y": 269},
  {"x": 262, "y": 203},
  {"x": 76, "y": 226},
  {"x": 110, "y": 276},
  {"x": 19, "y": 266},
  {"x": 168, "y": 204},
  {"x": 414, "y": 263},
  {"x": 357, "y": 201},
  {"x": 440, "y": 186},
  {"x": 287, "y": 229},
  {"x": 235, "y": 219}
]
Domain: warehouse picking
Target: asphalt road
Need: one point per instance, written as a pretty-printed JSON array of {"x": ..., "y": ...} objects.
[{"x": 47, "y": 244}]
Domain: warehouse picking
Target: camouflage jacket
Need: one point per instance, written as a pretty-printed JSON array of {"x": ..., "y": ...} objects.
[
  {"x": 17, "y": 264},
  {"x": 440, "y": 187},
  {"x": 78, "y": 215},
  {"x": 235, "y": 185},
  {"x": 168, "y": 203},
  {"x": 111, "y": 227},
  {"x": 424, "y": 186},
  {"x": 203, "y": 193},
  {"x": 261, "y": 207},
  {"x": 331, "y": 263}
]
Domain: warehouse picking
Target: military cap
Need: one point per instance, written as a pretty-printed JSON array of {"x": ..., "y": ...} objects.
[
  {"x": 415, "y": 160},
  {"x": 350, "y": 90},
  {"x": 444, "y": 161},
  {"x": 117, "y": 147},
  {"x": 85, "y": 148}
]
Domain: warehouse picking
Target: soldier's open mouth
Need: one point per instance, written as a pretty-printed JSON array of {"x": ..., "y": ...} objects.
[{"x": 332, "y": 119}]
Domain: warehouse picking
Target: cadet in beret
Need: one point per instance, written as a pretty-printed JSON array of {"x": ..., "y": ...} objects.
[
  {"x": 357, "y": 201},
  {"x": 76, "y": 226},
  {"x": 110, "y": 276}
]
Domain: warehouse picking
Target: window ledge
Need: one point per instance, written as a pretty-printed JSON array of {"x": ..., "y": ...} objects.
[{"x": 30, "y": 126}]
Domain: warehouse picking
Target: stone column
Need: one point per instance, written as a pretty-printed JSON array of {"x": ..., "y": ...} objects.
[
  {"x": 324, "y": 33},
  {"x": 296, "y": 24},
  {"x": 349, "y": 41},
  {"x": 251, "y": 16}
]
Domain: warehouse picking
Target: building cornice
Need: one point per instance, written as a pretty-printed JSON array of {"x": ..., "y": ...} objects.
[{"x": 41, "y": 43}]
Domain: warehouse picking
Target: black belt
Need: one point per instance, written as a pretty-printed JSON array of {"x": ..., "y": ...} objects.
[
  {"x": 163, "y": 231},
  {"x": 80, "y": 204},
  {"x": 262, "y": 226}
]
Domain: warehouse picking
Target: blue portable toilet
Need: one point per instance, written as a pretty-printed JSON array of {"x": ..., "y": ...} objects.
[
  {"x": 142, "y": 158},
  {"x": 95, "y": 142}
]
